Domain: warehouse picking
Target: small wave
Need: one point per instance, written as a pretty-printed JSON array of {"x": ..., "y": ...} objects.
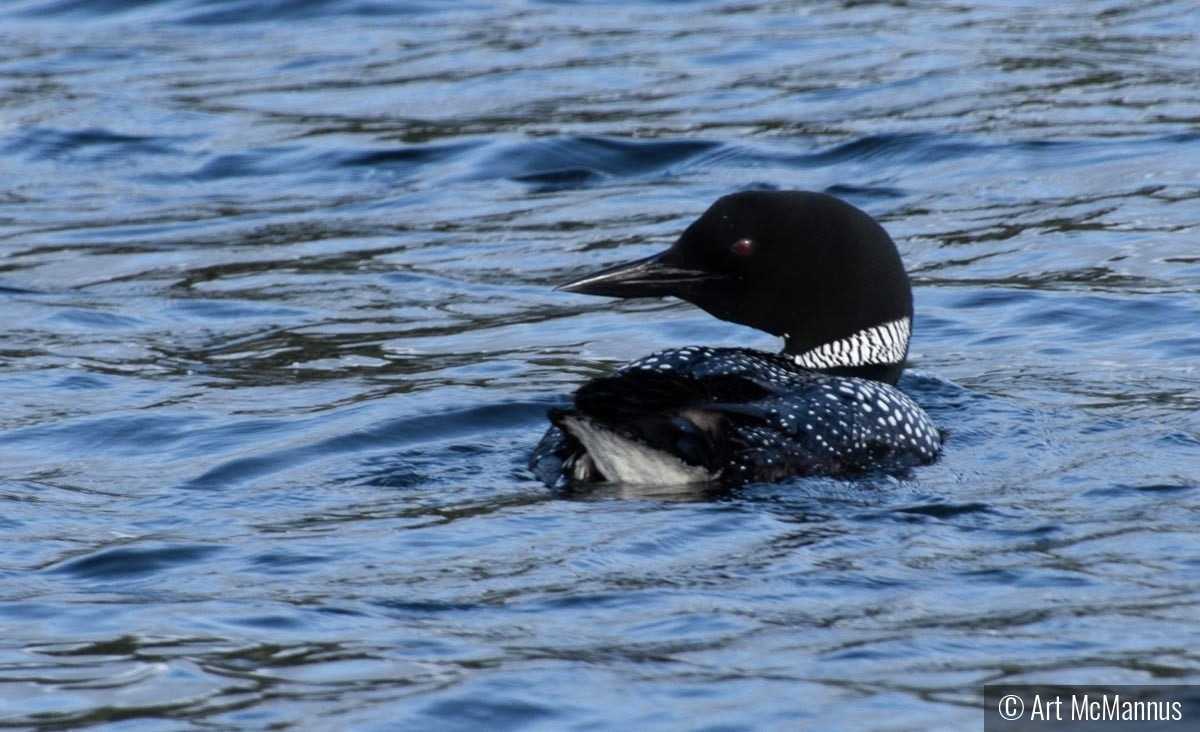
[
  {"x": 131, "y": 562},
  {"x": 223, "y": 12},
  {"x": 397, "y": 165},
  {"x": 898, "y": 147},
  {"x": 570, "y": 162},
  {"x": 90, "y": 145},
  {"x": 402, "y": 434},
  {"x": 403, "y": 157}
]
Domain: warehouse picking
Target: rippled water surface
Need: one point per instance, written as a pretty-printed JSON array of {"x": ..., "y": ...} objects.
[{"x": 279, "y": 332}]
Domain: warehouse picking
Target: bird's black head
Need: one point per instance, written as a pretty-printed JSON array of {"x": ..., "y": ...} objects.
[{"x": 805, "y": 266}]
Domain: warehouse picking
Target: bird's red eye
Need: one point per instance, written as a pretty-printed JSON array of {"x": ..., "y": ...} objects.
[{"x": 743, "y": 247}]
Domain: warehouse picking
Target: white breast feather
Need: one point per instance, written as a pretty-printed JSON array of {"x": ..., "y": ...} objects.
[{"x": 621, "y": 459}]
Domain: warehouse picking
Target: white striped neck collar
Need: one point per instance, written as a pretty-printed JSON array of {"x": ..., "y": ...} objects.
[{"x": 878, "y": 345}]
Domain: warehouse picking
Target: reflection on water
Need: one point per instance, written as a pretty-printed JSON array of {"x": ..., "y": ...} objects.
[{"x": 280, "y": 331}]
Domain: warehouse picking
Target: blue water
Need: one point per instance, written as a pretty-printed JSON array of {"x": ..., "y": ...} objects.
[{"x": 276, "y": 281}]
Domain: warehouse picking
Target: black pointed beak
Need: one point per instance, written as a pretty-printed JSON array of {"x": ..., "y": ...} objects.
[{"x": 649, "y": 277}]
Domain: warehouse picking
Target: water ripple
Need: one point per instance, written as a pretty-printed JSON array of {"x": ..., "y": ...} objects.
[{"x": 126, "y": 563}]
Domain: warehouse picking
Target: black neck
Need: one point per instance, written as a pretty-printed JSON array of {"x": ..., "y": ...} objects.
[{"x": 888, "y": 373}]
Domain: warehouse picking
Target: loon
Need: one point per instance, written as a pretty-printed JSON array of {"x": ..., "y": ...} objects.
[{"x": 805, "y": 266}]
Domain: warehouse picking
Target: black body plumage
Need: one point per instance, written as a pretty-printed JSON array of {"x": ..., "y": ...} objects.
[{"x": 825, "y": 406}]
